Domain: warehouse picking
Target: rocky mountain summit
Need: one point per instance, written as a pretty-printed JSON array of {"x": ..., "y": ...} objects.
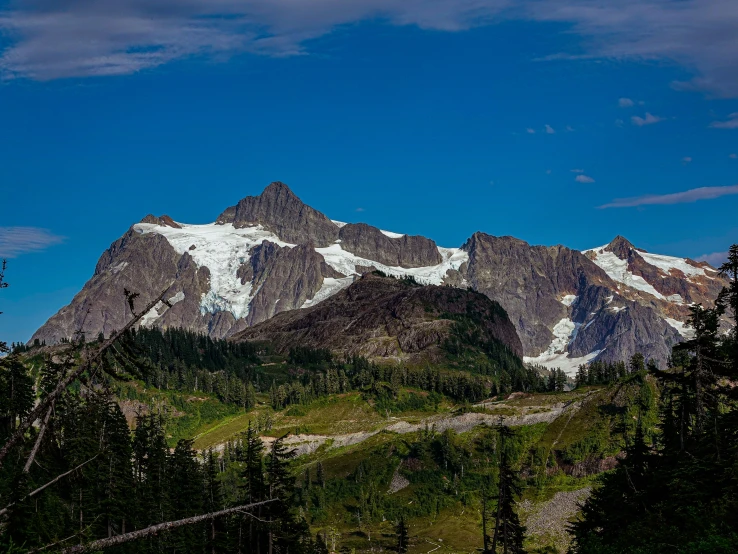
[
  {"x": 271, "y": 254},
  {"x": 388, "y": 319}
]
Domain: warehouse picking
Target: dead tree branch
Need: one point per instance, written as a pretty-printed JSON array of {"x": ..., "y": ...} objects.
[
  {"x": 85, "y": 365},
  {"x": 41, "y": 431},
  {"x": 47, "y": 485},
  {"x": 154, "y": 529}
]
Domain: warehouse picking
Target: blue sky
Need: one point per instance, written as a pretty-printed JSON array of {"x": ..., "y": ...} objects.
[{"x": 437, "y": 118}]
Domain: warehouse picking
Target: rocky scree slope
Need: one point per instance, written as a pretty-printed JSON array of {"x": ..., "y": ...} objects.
[{"x": 272, "y": 253}]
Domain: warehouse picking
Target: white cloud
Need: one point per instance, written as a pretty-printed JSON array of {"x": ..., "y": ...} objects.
[
  {"x": 48, "y": 39},
  {"x": 584, "y": 179},
  {"x": 19, "y": 240},
  {"x": 577, "y": 170},
  {"x": 360, "y": 210},
  {"x": 649, "y": 119},
  {"x": 716, "y": 259},
  {"x": 733, "y": 156},
  {"x": 625, "y": 102},
  {"x": 530, "y": 131},
  {"x": 548, "y": 172},
  {"x": 550, "y": 130},
  {"x": 686, "y": 159},
  {"x": 730, "y": 123},
  {"x": 569, "y": 128},
  {"x": 685, "y": 197}
]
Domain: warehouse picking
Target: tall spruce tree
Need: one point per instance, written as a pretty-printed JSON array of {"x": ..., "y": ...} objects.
[{"x": 509, "y": 533}]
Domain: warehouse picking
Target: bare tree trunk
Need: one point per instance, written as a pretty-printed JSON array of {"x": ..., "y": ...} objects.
[
  {"x": 41, "y": 431},
  {"x": 101, "y": 544},
  {"x": 42, "y": 487}
]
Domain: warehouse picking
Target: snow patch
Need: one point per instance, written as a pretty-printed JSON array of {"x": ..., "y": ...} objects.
[
  {"x": 562, "y": 361},
  {"x": 685, "y": 330},
  {"x": 556, "y": 355},
  {"x": 222, "y": 249},
  {"x": 392, "y": 235},
  {"x": 330, "y": 287},
  {"x": 568, "y": 300},
  {"x": 675, "y": 298},
  {"x": 667, "y": 263},
  {"x": 338, "y": 224},
  {"x": 177, "y": 298},
  {"x": 345, "y": 262},
  {"x": 617, "y": 270}
]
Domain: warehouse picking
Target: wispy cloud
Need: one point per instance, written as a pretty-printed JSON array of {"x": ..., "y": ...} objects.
[
  {"x": 360, "y": 210},
  {"x": 730, "y": 123},
  {"x": 686, "y": 160},
  {"x": 716, "y": 259},
  {"x": 19, "y": 240},
  {"x": 577, "y": 170},
  {"x": 625, "y": 102},
  {"x": 48, "y": 39},
  {"x": 688, "y": 196},
  {"x": 584, "y": 179},
  {"x": 649, "y": 119},
  {"x": 733, "y": 156},
  {"x": 550, "y": 130},
  {"x": 530, "y": 131}
]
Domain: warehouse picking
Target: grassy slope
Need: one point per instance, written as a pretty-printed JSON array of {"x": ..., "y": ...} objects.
[{"x": 594, "y": 430}]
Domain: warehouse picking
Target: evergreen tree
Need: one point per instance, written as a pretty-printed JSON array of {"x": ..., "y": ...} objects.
[
  {"x": 16, "y": 394},
  {"x": 509, "y": 533},
  {"x": 403, "y": 535}
]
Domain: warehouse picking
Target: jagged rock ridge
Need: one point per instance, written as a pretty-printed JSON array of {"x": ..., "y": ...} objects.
[{"x": 272, "y": 253}]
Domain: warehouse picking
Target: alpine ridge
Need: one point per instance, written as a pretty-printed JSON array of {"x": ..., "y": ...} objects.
[{"x": 272, "y": 253}]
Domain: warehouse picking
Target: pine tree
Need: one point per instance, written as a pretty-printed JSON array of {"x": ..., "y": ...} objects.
[
  {"x": 16, "y": 393},
  {"x": 402, "y": 534},
  {"x": 509, "y": 533},
  {"x": 283, "y": 528}
]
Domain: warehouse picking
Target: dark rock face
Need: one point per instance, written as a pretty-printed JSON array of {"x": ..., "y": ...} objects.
[
  {"x": 283, "y": 213},
  {"x": 407, "y": 251},
  {"x": 529, "y": 282},
  {"x": 142, "y": 263},
  {"x": 694, "y": 289},
  {"x": 284, "y": 278},
  {"x": 620, "y": 328},
  {"x": 163, "y": 220},
  {"x": 380, "y": 317}
]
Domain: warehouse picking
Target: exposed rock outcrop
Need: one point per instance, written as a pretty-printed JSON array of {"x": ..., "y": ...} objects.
[
  {"x": 405, "y": 251},
  {"x": 284, "y": 278},
  {"x": 619, "y": 328},
  {"x": 283, "y": 213},
  {"x": 142, "y": 263},
  {"x": 529, "y": 282},
  {"x": 381, "y": 317}
]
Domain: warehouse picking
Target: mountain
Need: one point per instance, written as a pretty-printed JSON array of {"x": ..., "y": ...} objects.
[
  {"x": 390, "y": 319},
  {"x": 272, "y": 253}
]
